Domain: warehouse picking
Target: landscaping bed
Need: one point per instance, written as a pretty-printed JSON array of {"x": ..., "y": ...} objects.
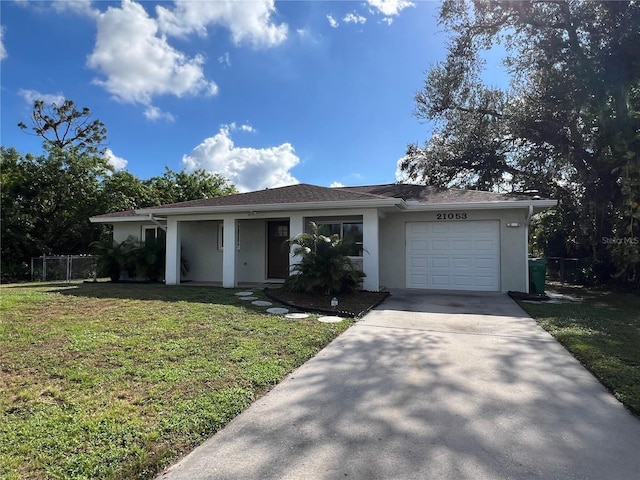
[{"x": 352, "y": 305}]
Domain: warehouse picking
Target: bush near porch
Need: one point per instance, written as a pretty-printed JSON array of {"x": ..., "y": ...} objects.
[
  {"x": 117, "y": 381},
  {"x": 324, "y": 266}
]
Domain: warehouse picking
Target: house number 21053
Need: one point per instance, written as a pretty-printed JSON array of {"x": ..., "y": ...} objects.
[{"x": 451, "y": 216}]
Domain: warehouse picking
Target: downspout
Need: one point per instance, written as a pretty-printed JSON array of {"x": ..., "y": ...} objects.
[
  {"x": 526, "y": 247},
  {"x": 157, "y": 223},
  {"x": 529, "y": 215}
]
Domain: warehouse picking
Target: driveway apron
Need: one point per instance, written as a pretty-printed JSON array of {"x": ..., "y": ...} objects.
[{"x": 430, "y": 386}]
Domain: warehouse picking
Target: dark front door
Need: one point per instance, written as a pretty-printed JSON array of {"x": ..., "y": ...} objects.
[{"x": 277, "y": 249}]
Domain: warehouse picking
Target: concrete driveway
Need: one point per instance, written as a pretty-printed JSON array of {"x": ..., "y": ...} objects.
[{"x": 430, "y": 386}]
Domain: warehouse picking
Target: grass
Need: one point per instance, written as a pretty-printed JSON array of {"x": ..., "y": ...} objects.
[
  {"x": 110, "y": 381},
  {"x": 602, "y": 330}
]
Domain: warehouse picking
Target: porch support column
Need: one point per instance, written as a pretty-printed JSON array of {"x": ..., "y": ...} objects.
[
  {"x": 371, "y": 253},
  {"x": 296, "y": 227},
  {"x": 229, "y": 253},
  {"x": 172, "y": 257}
]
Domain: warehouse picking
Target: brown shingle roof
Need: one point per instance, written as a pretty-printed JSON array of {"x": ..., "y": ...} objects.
[
  {"x": 306, "y": 193},
  {"x": 300, "y": 193},
  {"x": 128, "y": 213},
  {"x": 429, "y": 194}
]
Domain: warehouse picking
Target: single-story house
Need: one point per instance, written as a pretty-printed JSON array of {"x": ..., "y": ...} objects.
[{"x": 411, "y": 236}]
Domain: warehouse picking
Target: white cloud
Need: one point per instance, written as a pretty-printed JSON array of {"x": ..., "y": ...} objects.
[
  {"x": 248, "y": 22},
  {"x": 389, "y": 7},
  {"x": 116, "y": 162},
  {"x": 354, "y": 18},
  {"x": 154, "y": 113},
  {"x": 3, "y": 52},
  {"x": 81, "y": 7},
  {"x": 336, "y": 185},
  {"x": 31, "y": 96},
  {"x": 225, "y": 59},
  {"x": 402, "y": 177},
  {"x": 139, "y": 63},
  {"x": 247, "y": 168},
  {"x": 332, "y": 21}
]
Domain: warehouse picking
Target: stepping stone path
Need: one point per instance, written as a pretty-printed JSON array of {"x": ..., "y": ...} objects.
[
  {"x": 330, "y": 319},
  {"x": 277, "y": 310},
  {"x": 282, "y": 311},
  {"x": 262, "y": 303},
  {"x": 296, "y": 315}
]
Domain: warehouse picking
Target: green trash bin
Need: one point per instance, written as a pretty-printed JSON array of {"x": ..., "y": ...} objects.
[{"x": 537, "y": 273}]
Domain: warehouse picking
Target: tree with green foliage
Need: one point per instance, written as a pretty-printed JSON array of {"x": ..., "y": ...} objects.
[
  {"x": 174, "y": 187},
  {"x": 47, "y": 199},
  {"x": 122, "y": 191},
  {"x": 324, "y": 266},
  {"x": 568, "y": 126}
]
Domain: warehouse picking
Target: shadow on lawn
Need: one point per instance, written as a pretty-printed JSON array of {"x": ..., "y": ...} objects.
[
  {"x": 354, "y": 305},
  {"x": 150, "y": 291}
]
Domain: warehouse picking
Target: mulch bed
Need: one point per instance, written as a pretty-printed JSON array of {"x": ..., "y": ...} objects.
[
  {"x": 528, "y": 296},
  {"x": 354, "y": 304}
]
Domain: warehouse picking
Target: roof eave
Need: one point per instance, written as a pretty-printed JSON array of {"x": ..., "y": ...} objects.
[
  {"x": 271, "y": 207},
  {"x": 136, "y": 218},
  {"x": 497, "y": 204}
]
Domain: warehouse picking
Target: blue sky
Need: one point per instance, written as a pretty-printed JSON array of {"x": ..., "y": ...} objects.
[{"x": 265, "y": 93}]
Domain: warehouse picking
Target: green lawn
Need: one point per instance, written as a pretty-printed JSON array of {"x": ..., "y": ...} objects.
[
  {"x": 602, "y": 330},
  {"x": 116, "y": 381}
]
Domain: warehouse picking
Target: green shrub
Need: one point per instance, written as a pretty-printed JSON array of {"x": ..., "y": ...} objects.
[
  {"x": 325, "y": 266},
  {"x": 114, "y": 257}
]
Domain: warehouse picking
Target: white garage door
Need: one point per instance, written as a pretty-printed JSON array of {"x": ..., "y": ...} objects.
[{"x": 461, "y": 255}]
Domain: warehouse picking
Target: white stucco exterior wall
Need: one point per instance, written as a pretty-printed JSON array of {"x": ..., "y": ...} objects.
[
  {"x": 200, "y": 248},
  {"x": 121, "y": 231},
  {"x": 371, "y": 253},
  {"x": 513, "y": 246},
  {"x": 172, "y": 266}
]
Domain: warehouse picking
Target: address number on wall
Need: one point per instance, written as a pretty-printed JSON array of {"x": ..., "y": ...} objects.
[{"x": 451, "y": 216}]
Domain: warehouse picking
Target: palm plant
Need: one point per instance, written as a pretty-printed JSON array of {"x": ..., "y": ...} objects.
[
  {"x": 325, "y": 266},
  {"x": 150, "y": 259},
  {"x": 113, "y": 257}
]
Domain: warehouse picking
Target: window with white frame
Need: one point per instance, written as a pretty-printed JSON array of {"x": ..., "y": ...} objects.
[
  {"x": 150, "y": 234},
  {"x": 221, "y": 236},
  {"x": 349, "y": 231}
]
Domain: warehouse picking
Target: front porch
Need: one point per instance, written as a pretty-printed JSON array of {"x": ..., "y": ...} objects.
[{"x": 259, "y": 254}]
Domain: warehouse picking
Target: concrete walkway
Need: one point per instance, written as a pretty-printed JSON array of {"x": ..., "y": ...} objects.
[{"x": 430, "y": 386}]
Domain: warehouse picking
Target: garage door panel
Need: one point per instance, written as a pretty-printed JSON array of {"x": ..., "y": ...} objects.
[
  {"x": 440, "y": 262},
  {"x": 420, "y": 281},
  {"x": 437, "y": 228},
  {"x": 462, "y": 282},
  {"x": 440, "y": 246},
  {"x": 461, "y": 245},
  {"x": 440, "y": 281},
  {"x": 487, "y": 263},
  {"x": 419, "y": 262},
  {"x": 463, "y": 262},
  {"x": 417, "y": 228},
  {"x": 417, "y": 246},
  {"x": 453, "y": 255},
  {"x": 488, "y": 281},
  {"x": 485, "y": 245}
]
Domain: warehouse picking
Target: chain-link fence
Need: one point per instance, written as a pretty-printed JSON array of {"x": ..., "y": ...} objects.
[
  {"x": 63, "y": 267},
  {"x": 566, "y": 270}
]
